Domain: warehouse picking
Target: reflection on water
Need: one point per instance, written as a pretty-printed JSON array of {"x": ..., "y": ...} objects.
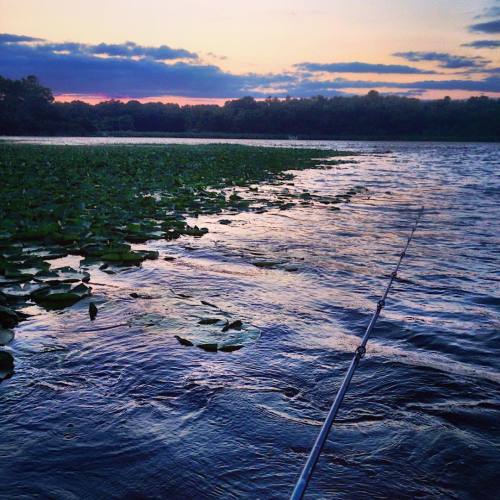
[{"x": 119, "y": 408}]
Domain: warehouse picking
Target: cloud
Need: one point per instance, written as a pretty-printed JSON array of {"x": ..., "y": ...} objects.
[
  {"x": 488, "y": 84},
  {"x": 8, "y": 38},
  {"x": 493, "y": 71},
  {"x": 67, "y": 68},
  {"x": 129, "y": 70},
  {"x": 360, "y": 67},
  {"x": 489, "y": 12},
  {"x": 483, "y": 44},
  {"x": 313, "y": 87},
  {"x": 444, "y": 60},
  {"x": 127, "y": 49},
  {"x": 487, "y": 27},
  {"x": 130, "y": 49},
  {"x": 215, "y": 56}
]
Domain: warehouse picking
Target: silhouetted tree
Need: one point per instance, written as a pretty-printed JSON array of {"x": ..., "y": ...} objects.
[{"x": 26, "y": 107}]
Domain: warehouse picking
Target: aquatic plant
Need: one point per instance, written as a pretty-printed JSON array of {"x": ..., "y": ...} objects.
[{"x": 96, "y": 201}]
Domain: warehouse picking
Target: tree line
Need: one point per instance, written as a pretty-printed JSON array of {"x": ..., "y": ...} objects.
[{"x": 29, "y": 108}]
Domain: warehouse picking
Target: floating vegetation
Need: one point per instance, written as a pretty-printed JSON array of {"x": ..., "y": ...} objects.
[
  {"x": 6, "y": 336},
  {"x": 92, "y": 311},
  {"x": 234, "y": 325},
  {"x": 91, "y": 200},
  {"x": 95, "y": 202},
  {"x": 61, "y": 296},
  {"x": 8, "y": 317},
  {"x": 196, "y": 324},
  {"x": 23, "y": 291},
  {"x": 267, "y": 264},
  {"x": 184, "y": 342},
  {"x": 209, "y": 321},
  {"x": 6, "y": 364}
]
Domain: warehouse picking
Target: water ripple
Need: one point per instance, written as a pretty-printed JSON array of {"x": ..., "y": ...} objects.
[{"x": 117, "y": 408}]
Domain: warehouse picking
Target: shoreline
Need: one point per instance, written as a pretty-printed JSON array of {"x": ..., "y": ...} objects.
[{"x": 277, "y": 137}]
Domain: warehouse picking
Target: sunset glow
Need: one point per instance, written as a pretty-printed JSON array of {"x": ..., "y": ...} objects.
[{"x": 200, "y": 52}]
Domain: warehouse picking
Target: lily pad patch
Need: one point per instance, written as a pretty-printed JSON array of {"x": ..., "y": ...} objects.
[
  {"x": 62, "y": 295},
  {"x": 8, "y": 317},
  {"x": 233, "y": 325},
  {"x": 232, "y": 336},
  {"x": 267, "y": 264},
  {"x": 210, "y": 321},
  {"x": 64, "y": 274},
  {"x": 130, "y": 257},
  {"x": 183, "y": 342},
  {"x": 6, "y": 365},
  {"x": 90, "y": 202},
  {"x": 23, "y": 291},
  {"x": 46, "y": 253},
  {"x": 6, "y": 336},
  {"x": 92, "y": 311}
]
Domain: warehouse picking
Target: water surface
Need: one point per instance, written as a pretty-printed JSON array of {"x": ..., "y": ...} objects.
[{"x": 117, "y": 408}]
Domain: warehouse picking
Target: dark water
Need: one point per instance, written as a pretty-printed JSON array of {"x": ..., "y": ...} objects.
[{"x": 118, "y": 408}]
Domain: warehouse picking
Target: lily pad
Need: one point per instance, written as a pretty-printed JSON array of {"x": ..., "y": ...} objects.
[
  {"x": 266, "y": 264},
  {"x": 46, "y": 253},
  {"x": 6, "y": 336},
  {"x": 20, "y": 292},
  {"x": 62, "y": 295},
  {"x": 149, "y": 254},
  {"x": 146, "y": 296},
  {"x": 155, "y": 321},
  {"x": 69, "y": 275},
  {"x": 97, "y": 249},
  {"x": 230, "y": 348},
  {"x": 23, "y": 273},
  {"x": 6, "y": 365},
  {"x": 209, "y": 304},
  {"x": 37, "y": 232},
  {"x": 140, "y": 233},
  {"x": 92, "y": 311},
  {"x": 184, "y": 342},
  {"x": 234, "y": 325},
  {"x": 209, "y": 337},
  {"x": 8, "y": 317},
  {"x": 209, "y": 321},
  {"x": 49, "y": 277},
  {"x": 195, "y": 231},
  {"x": 10, "y": 281},
  {"x": 127, "y": 257},
  {"x": 208, "y": 347}
]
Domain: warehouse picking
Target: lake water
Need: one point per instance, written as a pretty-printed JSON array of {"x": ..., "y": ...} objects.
[{"x": 117, "y": 408}]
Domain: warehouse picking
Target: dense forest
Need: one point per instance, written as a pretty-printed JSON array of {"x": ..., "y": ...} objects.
[{"x": 28, "y": 108}]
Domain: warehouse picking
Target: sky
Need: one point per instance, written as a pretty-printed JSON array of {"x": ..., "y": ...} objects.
[{"x": 208, "y": 51}]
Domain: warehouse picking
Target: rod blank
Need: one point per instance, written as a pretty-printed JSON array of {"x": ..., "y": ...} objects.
[{"x": 312, "y": 460}]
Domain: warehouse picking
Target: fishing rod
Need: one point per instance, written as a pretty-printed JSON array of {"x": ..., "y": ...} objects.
[{"x": 307, "y": 471}]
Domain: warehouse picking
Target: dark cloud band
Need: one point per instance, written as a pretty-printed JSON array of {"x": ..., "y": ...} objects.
[
  {"x": 487, "y": 27},
  {"x": 8, "y": 38},
  {"x": 360, "y": 67},
  {"x": 444, "y": 60},
  {"x": 483, "y": 44},
  {"x": 132, "y": 71}
]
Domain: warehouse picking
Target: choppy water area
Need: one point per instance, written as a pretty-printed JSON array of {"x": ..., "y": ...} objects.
[{"x": 118, "y": 408}]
